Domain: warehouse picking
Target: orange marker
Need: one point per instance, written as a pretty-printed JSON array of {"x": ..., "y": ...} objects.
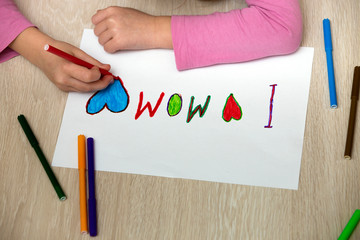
[{"x": 82, "y": 183}]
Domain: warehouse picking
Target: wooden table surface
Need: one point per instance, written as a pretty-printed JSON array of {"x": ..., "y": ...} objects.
[{"x": 146, "y": 207}]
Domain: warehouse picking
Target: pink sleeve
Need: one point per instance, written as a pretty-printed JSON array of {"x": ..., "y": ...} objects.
[
  {"x": 265, "y": 28},
  {"x": 12, "y": 23}
]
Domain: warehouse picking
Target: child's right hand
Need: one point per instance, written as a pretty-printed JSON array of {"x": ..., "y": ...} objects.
[
  {"x": 72, "y": 77},
  {"x": 65, "y": 75}
]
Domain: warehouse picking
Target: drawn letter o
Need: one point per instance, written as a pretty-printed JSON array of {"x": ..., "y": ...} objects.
[{"x": 174, "y": 105}]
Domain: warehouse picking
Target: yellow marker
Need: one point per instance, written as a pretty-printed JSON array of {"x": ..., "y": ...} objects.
[{"x": 82, "y": 183}]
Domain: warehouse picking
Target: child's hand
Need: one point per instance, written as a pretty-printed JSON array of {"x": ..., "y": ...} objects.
[
  {"x": 72, "y": 77},
  {"x": 125, "y": 28},
  {"x": 65, "y": 75}
]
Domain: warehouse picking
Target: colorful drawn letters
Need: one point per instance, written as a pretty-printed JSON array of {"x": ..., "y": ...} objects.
[{"x": 116, "y": 99}]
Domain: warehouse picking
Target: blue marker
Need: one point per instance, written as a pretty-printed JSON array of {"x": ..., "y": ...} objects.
[{"x": 330, "y": 64}]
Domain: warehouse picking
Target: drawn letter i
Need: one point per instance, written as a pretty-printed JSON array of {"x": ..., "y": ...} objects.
[{"x": 271, "y": 105}]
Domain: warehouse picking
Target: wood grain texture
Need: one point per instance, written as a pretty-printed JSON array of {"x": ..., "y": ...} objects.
[{"x": 146, "y": 207}]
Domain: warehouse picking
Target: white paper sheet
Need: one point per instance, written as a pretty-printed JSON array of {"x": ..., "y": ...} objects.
[{"x": 206, "y": 148}]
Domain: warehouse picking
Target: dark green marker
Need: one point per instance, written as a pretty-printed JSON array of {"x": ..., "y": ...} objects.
[{"x": 34, "y": 143}]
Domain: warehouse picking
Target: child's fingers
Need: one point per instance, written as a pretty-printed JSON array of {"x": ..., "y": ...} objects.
[
  {"x": 100, "y": 28},
  {"x": 82, "y": 55},
  {"x": 99, "y": 16},
  {"x": 82, "y": 73},
  {"x": 105, "y": 37},
  {"x": 97, "y": 85},
  {"x": 111, "y": 46},
  {"x": 79, "y": 86}
]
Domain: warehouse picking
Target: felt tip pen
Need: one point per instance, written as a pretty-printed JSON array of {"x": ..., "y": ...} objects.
[
  {"x": 82, "y": 183},
  {"x": 91, "y": 185},
  {"x": 349, "y": 228},
  {"x": 74, "y": 59},
  {"x": 352, "y": 116},
  {"x": 329, "y": 61},
  {"x": 35, "y": 144}
]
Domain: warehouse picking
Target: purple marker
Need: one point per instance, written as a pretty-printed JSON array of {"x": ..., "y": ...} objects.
[{"x": 91, "y": 182}]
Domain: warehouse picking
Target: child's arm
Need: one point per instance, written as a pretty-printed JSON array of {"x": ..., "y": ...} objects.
[
  {"x": 12, "y": 23},
  {"x": 19, "y": 36},
  {"x": 65, "y": 75},
  {"x": 265, "y": 28}
]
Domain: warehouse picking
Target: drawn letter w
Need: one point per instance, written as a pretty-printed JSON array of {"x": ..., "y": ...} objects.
[
  {"x": 201, "y": 110},
  {"x": 148, "y": 106}
]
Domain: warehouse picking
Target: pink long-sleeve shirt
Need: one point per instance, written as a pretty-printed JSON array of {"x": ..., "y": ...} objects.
[
  {"x": 265, "y": 28},
  {"x": 12, "y": 23}
]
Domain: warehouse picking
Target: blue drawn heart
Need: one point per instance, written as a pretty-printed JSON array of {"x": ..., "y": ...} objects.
[{"x": 114, "y": 97}]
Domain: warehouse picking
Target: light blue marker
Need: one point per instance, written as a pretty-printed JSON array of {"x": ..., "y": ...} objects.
[{"x": 330, "y": 64}]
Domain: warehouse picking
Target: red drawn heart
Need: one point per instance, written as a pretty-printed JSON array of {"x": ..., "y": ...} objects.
[{"x": 232, "y": 109}]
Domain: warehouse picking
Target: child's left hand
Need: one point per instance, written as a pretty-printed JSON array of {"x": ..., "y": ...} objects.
[{"x": 121, "y": 28}]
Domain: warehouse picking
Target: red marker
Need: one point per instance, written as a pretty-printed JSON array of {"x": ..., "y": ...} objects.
[{"x": 75, "y": 60}]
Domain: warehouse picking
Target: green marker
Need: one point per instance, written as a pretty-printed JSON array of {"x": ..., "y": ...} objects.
[
  {"x": 34, "y": 143},
  {"x": 349, "y": 228}
]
